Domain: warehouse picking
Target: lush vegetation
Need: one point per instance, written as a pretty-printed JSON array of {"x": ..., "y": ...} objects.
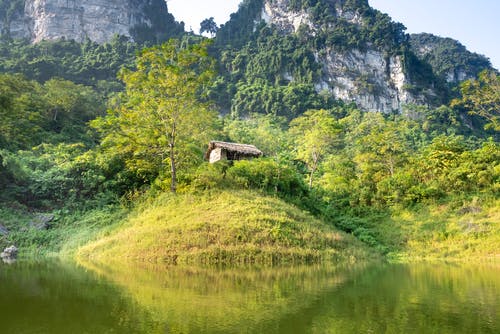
[
  {"x": 420, "y": 184},
  {"x": 449, "y": 59},
  {"x": 86, "y": 63},
  {"x": 390, "y": 180}
]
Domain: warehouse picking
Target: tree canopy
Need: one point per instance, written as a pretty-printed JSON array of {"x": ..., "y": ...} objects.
[{"x": 161, "y": 117}]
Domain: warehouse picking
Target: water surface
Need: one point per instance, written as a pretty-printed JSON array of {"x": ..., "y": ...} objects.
[{"x": 55, "y": 297}]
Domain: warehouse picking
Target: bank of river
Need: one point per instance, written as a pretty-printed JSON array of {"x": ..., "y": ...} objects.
[{"x": 58, "y": 297}]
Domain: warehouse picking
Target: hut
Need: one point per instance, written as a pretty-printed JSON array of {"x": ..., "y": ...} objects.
[{"x": 219, "y": 150}]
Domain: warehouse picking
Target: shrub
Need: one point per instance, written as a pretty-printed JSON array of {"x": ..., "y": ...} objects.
[{"x": 268, "y": 175}]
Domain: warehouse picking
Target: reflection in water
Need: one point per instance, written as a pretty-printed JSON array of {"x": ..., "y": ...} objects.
[
  {"x": 53, "y": 297},
  {"x": 380, "y": 298},
  {"x": 201, "y": 300}
]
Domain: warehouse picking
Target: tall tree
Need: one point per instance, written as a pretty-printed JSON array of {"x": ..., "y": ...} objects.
[
  {"x": 161, "y": 116},
  {"x": 315, "y": 134},
  {"x": 482, "y": 97},
  {"x": 209, "y": 26}
]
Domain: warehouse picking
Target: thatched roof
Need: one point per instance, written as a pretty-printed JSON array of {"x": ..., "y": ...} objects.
[{"x": 242, "y": 149}]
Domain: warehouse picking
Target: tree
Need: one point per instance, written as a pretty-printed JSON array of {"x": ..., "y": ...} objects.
[
  {"x": 381, "y": 145},
  {"x": 161, "y": 117},
  {"x": 70, "y": 104},
  {"x": 264, "y": 131},
  {"x": 379, "y": 148},
  {"x": 209, "y": 26},
  {"x": 315, "y": 134},
  {"x": 482, "y": 97},
  {"x": 21, "y": 112}
]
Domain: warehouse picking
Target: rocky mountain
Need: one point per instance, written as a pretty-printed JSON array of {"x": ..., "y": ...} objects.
[
  {"x": 97, "y": 20},
  {"x": 360, "y": 55},
  {"x": 276, "y": 56}
]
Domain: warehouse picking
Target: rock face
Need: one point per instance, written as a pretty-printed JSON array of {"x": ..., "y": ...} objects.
[
  {"x": 370, "y": 78},
  {"x": 3, "y": 230},
  {"x": 42, "y": 221},
  {"x": 373, "y": 81},
  {"x": 97, "y": 20},
  {"x": 9, "y": 253}
]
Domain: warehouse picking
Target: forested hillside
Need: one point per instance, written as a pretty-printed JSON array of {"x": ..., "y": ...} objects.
[
  {"x": 449, "y": 59},
  {"x": 91, "y": 131}
]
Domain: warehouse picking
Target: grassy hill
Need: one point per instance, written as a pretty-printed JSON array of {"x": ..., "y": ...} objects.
[{"x": 238, "y": 227}]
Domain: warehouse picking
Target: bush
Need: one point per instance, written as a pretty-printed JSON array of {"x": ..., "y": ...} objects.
[{"x": 268, "y": 175}]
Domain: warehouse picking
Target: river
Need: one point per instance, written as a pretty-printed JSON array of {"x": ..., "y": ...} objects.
[{"x": 64, "y": 297}]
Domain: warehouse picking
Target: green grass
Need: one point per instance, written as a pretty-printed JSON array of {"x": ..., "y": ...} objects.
[
  {"x": 238, "y": 227},
  {"x": 247, "y": 227},
  {"x": 458, "y": 229},
  {"x": 67, "y": 232}
]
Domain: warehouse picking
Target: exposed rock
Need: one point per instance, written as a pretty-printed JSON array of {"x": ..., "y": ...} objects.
[
  {"x": 276, "y": 12},
  {"x": 371, "y": 79},
  {"x": 9, "y": 253},
  {"x": 98, "y": 20},
  {"x": 3, "y": 230},
  {"x": 42, "y": 221}
]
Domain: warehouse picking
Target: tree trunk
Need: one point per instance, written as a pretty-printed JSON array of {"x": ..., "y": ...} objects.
[
  {"x": 313, "y": 169},
  {"x": 173, "y": 169},
  {"x": 311, "y": 176}
]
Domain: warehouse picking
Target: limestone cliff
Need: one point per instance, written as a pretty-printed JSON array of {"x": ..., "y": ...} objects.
[
  {"x": 371, "y": 76},
  {"x": 97, "y": 20}
]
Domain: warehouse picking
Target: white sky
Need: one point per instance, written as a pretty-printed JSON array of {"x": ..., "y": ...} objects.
[
  {"x": 192, "y": 12},
  {"x": 475, "y": 23}
]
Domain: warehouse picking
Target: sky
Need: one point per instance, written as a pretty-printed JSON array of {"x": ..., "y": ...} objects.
[{"x": 475, "y": 23}]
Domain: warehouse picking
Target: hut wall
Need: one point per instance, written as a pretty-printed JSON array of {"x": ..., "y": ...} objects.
[{"x": 217, "y": 154}]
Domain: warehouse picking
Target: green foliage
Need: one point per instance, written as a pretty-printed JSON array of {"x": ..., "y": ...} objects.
[
  {"x": 481, "y": 97},
  {"x": 240, "y": 26},
  {"x": 209, "y": 26},
  {"x": 267, "y": 132},
  {"x": 449, "y": 59},
  {"x": 274, "y": 74},
  {"x": 86, "y": 63},
  {"x": 316, "y": 134},
  {"x": 43, "y": 141},
  {"x": 268, "y": 175},
  {"x": 375, "y": 28},
  {"x": 54, "y": 112},
  {"x": 21, "y": 112},
  {"x": 289, "y": 101},
  {"x": 55, "y": 175},
  {"x": 160, "y": 119}
]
